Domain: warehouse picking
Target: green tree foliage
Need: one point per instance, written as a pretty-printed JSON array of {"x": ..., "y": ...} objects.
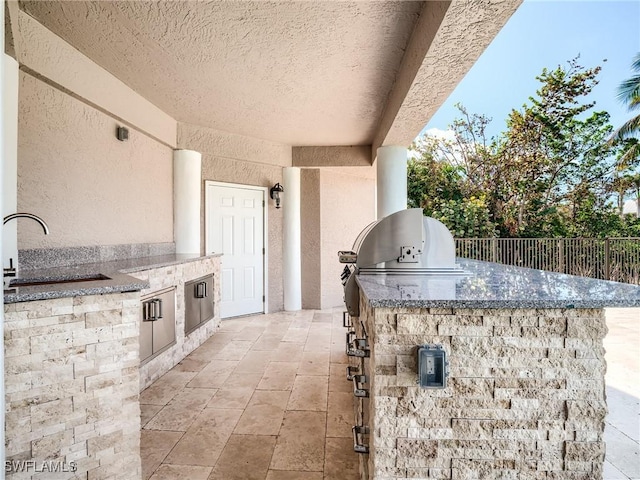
[
  {"x": 466, "y": 218},
  {"x": 551, "y": 173}
]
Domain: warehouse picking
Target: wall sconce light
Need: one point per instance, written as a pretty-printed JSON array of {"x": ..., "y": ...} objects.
[{"x": 275, "y": 193}]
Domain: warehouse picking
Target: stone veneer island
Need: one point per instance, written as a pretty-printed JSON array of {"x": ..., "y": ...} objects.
[
  {"x": 525, "y": 395},
  {"x": 72, "y": 365}
]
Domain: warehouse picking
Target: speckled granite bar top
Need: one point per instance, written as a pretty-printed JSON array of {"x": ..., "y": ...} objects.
[
  {"x": 492, "y": 285},
  {"x": 82, "y": 284}
]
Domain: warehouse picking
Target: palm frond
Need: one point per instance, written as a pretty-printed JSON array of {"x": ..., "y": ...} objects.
[
  {"x": 630, "y": 155},
  {"x": 629, "y": 90},
  {"x": 628, "y": 129}
]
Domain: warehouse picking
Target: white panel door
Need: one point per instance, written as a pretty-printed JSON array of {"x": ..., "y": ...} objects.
[{"x": 235, "y": 228}]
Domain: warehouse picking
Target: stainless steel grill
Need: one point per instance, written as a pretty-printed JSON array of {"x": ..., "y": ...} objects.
[{"x": 403, "y": 243}]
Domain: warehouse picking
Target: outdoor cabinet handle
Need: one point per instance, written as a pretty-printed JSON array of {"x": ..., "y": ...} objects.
[
  {"x": 357, "y": 446},
  {"x": 158, "y": 313},
  {"x": 201, "y": 290},
  {"x": 148, "y": 311}
]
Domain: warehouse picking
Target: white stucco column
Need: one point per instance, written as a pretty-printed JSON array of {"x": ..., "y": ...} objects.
[
  {"x": 391, "y": 186},
  {"x": 292, "y": 265},
  {"x": 10, "y": 78},
  {"x": 3, "y": 159},
  {"x": 187, "y": 174}
]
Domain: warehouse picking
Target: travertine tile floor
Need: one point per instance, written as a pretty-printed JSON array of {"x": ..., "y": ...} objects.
[
  {"x": 622, "y": 425},
  {"x": 265, "y": 398}
]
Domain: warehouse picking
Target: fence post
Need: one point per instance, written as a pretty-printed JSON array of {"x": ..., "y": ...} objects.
[
  {"x": 561, "y": 266},
  {"x": 494, "y": 250},
  {"x": 607, "y": 263}
]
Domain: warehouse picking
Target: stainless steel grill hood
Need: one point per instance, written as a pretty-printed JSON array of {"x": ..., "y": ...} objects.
[{"x": 403, "y": 243}]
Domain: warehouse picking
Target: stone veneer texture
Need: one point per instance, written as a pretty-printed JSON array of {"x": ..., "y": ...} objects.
[
  {"x": 71, "y": 386},
  {"x": 524, "y": 400},
  {"x": 177, "y": 276}
]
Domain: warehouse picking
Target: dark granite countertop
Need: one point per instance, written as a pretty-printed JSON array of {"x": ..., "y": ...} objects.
[
  {"x": 78, "y": 278},
  {"x": 492, "y": 285}
]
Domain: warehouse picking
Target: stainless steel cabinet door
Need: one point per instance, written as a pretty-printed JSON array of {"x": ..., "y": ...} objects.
[
  {"x": 157, "y": 323},
  {"x": 206, "y": 303},
  {"x": 164, "y": 328},
  {"x": 146, "y": 335},
  {"x": 198, "y": 300},
  {"x": 191, "y": 307}
]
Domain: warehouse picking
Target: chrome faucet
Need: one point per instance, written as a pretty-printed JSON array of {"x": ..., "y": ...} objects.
[
  {"x": 45, "y": 227},
  {"x": 11, "y": 270}
]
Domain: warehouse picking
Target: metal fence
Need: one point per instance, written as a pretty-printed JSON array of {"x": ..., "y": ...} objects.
[{"x": 606, "y": 258}]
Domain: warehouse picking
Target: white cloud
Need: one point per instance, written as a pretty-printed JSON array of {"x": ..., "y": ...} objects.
[{"x": 439, "y": 133}]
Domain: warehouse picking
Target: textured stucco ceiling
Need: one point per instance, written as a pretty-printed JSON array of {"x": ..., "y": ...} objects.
[{"x": 299, "y": 73}]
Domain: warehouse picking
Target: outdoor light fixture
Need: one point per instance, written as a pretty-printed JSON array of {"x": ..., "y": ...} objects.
[{"x": 275, "y": 193}]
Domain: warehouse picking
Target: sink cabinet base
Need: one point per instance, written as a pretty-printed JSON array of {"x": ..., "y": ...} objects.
[{"x": 71, "y": 387}]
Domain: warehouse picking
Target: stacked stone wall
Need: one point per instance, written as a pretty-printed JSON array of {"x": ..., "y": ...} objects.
[
  {"x": 176, "y": 276},
  {"x": 71, "y": 388},
  {"x": 524, "y": 399}
]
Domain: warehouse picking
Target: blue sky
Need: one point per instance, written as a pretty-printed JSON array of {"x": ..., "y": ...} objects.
[{"x": 547, "y": 33}]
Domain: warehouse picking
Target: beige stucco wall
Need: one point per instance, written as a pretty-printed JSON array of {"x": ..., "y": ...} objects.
[
  {"x": 310, "y": 238},
  {"x": 39, "y": 50},
  {"x": 337, "y": 203},
  {"x": 347, "y": 206},
  {"x": 244, "y": 161},
  {"x": 89, "y": 187}
]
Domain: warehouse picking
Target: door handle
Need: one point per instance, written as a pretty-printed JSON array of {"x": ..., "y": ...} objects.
[
  {"x": 201, "y": 290},
  {"x": 157, "y": 311},
  {"x": 148, "y": 311},
  {"x": 152, "y": 310},
  {"x": 145, "y": 311}
]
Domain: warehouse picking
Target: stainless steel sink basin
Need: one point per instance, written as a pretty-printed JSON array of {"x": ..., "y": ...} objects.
[{"x": 31, "y": 282}]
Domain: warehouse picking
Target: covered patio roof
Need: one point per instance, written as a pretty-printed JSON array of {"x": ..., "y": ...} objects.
[{"x": 308, "y": 73}]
